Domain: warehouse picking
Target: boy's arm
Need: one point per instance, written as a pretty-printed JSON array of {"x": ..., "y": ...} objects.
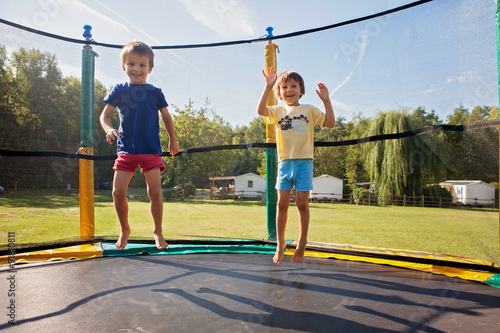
[
  {"x": 270, "y": 75},
  {"x": 325, "y": 97},
  {"x": 173, "y": 146},
  {"x": 105, "y": 119}
]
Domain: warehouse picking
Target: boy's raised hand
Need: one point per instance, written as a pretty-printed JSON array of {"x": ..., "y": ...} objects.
[
  {"x": 323, "y": 92},
  {"x": 270, "y": 75}
]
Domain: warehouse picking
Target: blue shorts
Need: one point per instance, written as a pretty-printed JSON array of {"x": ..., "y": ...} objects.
[{"x": 298, "y": 173}]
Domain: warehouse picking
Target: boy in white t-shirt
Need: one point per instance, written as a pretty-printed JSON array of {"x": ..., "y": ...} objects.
[{"x": 295, "y": 142}]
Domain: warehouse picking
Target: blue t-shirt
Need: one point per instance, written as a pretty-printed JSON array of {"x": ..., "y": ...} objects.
[{"x": 138, "y": 106}]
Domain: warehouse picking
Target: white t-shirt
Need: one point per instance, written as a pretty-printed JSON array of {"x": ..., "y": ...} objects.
[{"x": 295, "y": 129}]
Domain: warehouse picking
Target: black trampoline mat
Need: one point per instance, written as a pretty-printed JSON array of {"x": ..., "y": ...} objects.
[{"x": 244, "y": 293}]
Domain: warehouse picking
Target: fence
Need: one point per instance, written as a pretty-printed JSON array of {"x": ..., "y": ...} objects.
[
  {"x": 408, "y": 201},
  {"x": 229, "y": 193},
  {"x": 367, "y": 199}
]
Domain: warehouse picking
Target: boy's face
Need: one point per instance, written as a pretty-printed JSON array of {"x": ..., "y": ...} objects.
[
  {"x": 137, "y": 67},
  {"x": 290, "y": 92}
]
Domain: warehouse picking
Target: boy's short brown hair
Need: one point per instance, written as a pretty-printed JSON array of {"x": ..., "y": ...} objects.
[
  {"x": 140, "y": 48},
  {"x": 286, "y": 77}
]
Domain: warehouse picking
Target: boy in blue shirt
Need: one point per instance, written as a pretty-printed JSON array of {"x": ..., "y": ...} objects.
[{"x": 138, "y": 141}]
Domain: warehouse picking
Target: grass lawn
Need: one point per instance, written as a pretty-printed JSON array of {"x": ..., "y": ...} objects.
[{"x": 469, "y": 233}]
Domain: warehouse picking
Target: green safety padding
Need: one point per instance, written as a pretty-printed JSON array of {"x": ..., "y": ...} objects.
[
  {"x": 494, "y": 281},
  {"x": 109, "y": 249}
]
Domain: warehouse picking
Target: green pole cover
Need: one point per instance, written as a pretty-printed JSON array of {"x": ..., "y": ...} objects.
[{"x": 271, "y": 195}]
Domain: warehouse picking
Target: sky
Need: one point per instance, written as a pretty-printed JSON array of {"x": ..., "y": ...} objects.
[{"x": 439, "y": 55}]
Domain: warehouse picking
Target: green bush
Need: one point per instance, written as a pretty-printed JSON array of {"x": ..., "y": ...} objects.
[
  {"x": 189, "y": 190},
  {"x": 358, "y": 193},
  {"x": 171, "y": 194},
  {"x": 436, "y": 191},
  {"x": 168, "y": 194}
]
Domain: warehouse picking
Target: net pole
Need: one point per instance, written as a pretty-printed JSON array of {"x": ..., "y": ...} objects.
[
  {"x": 86, "y": 167},
  {"x": 497, "y": 24},
  {"x": 271, "y": 159}
]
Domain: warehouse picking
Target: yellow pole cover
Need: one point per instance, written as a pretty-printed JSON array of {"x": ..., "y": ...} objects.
[
  {"x": 86, "y": 195},
  {"x": 270, "y": 61}
]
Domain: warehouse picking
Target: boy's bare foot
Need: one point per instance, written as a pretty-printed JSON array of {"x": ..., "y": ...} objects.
[
  {"x": 278, "y": 256},
  {"x": 121, "y": 243},
  {"x": 298, "y": 255},
  {"x": 160, "y": 242}
]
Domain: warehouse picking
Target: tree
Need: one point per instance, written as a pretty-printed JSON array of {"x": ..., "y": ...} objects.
[
  {"x": 41, "y": 111},
  {"x": 256, "y": 131},
  {"x": 401, "y": 166},
  {"x": 8, "y": 122},
  {"x": 330, "y": 160},
  {"x": 354, "y": 161},
  {"x": 420, "y": 118},
  {"x": 196, "y": 128},
  {"x": 473, "y": 155},
  {"x": 38, "y": 84},
  {"x": 248, "y": 160},
  {"x": 36, "y": 108}
]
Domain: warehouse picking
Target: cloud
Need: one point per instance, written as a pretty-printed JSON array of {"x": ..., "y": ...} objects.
[
  {"x": 342, "y": 106},
  {"x": 228, "y": 18},
  {"x": 468, "y": 76},
  {"x": 430, "y": 90},
  {"x": 150, "y": 37},
  {"x": 338, "y": 104},
  {"x": 362, "y": 47},
  {"x": 464, "y": 77},
  {"x": 99, "y": 17},
  {"x": 362, "y": 50},
  {"x": 128, "y": 22},
  {"x": 347, "y": 78}
]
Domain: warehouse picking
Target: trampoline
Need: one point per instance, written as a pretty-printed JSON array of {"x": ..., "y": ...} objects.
[{"x": 233, "y": 286}]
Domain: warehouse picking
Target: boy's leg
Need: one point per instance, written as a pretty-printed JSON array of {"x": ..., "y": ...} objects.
[
  {"x": 121, "y": 180},
  {"x": 302, "y": 202},
  {"x": 281, "y": 219},
  {"x": 153, "y": 181}
]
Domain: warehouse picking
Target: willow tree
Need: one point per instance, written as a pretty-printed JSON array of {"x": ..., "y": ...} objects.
[{"x": 406, "y": 165}]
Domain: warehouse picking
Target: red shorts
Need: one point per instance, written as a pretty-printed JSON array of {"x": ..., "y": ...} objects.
[{"x": 130, "y": 162}]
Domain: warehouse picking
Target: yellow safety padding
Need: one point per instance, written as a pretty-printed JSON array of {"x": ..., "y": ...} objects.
[
  {"x": 71, "y": 252},
  {"x": 465, "y": 274}
]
